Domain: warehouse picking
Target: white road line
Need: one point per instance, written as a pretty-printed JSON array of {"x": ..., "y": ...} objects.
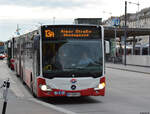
[{"x": 53, "y": 107}]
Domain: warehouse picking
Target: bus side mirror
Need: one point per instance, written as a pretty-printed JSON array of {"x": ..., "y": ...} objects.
[
  {"x": 36, "y": 40},
  {"x": 9, "y": 44},
  {"x": 107, "y": 47}
]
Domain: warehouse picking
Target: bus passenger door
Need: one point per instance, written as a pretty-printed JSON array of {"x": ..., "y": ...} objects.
[{"x": 36, "y": 63}]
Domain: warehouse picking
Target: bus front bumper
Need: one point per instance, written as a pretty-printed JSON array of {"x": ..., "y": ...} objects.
[{"x": 77, "y": 93}]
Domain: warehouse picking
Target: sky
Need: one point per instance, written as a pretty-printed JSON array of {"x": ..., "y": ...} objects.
[{"x": 30, "y": 14}]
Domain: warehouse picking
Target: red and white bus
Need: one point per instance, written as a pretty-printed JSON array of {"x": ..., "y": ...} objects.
[
  {"x": 2, "y": 50},
  {"x": 62, "y": 60},
  {"x": 10, "y": 53}
]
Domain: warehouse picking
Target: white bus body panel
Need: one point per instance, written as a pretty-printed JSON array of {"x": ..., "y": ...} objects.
[{"x": 65, "y": 83}]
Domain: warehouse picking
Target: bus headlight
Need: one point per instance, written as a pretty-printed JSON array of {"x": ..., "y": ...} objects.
[
  {"x": 100, "y": 86},
  {"x": 45, "y": 88}
]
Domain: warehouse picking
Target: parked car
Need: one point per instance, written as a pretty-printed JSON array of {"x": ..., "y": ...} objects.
[{"x": 2, "y": 56}]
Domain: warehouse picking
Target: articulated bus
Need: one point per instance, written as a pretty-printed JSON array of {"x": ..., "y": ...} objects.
[
  {"x": 10, "y": 53},
  {"x": 62, "y": 60}
]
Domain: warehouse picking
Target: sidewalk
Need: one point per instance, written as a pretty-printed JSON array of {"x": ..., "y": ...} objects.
[
  {"x": 20, "y": 100},
  {"x": 23, "y": 106},
  {"x": 131, "y": 68}
]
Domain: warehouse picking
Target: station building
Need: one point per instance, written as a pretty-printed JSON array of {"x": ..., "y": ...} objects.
[{"x": 137, "y": 43}]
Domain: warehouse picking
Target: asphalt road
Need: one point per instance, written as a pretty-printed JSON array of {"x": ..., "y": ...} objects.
[{"x": 126, "y": 93}]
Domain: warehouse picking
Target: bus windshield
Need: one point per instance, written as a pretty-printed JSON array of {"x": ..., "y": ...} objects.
[{"x": 65, "y": 58}]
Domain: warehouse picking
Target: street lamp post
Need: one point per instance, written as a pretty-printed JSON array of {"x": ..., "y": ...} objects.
[
  {"x": 125, "y": 29},
  {"x": 125, "y": 32}
]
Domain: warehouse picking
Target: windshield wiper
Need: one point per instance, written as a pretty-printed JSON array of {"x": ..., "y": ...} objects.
[
  {"x": 98, "y": 62},
  {"x": 85, "y": 71},
  {"x": 77, "y": 68},
  {"x": 51, "y": 75}
]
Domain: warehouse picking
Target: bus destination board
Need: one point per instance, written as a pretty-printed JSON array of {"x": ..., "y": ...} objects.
[{"x": 70, "y": 32}]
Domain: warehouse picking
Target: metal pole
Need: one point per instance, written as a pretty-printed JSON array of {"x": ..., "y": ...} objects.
[
  {"x": 125, "y": 33},
  {"x": 137, "y": 14},
  {"x": 6, "y": 85},
  {"x": 115, "y": 41},
  {"x": 18, "y": 29},
  {"x": 115, "y": 47}
]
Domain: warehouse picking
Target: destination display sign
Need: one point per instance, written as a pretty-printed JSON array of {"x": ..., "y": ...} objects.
[{"x": 62, "y": 32}]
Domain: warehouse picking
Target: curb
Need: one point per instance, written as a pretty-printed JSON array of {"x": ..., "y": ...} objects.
[{"x": 56, "y": 108}]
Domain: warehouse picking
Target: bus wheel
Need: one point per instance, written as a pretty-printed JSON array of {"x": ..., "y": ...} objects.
[
  {"x": 17, "y": 71},
  {"x": 33, "y": 94},
  {"x": 23, "y": 81},
  {"x": 22, "y": 78},
  {"x": 32, "y": 91},
  {"x": 11, "y": 68}
]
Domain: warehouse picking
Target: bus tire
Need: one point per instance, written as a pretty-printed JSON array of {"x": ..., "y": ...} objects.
[
  {"x": 23, "y": 82},
  {"x": 32, "y": 91},
  {"x": 17, "y": 71}
]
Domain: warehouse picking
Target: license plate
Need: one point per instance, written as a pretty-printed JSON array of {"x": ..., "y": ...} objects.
[{"x": 73, "y": 94}]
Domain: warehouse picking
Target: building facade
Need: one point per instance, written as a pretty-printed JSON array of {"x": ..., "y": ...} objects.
[{"x": 140, "y": 19}]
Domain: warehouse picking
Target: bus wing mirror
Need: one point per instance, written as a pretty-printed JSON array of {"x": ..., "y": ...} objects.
[{"x": 107, "y": 47}]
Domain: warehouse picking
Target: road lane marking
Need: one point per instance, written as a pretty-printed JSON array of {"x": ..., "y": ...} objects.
[{"x": 53, "y": 106}]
